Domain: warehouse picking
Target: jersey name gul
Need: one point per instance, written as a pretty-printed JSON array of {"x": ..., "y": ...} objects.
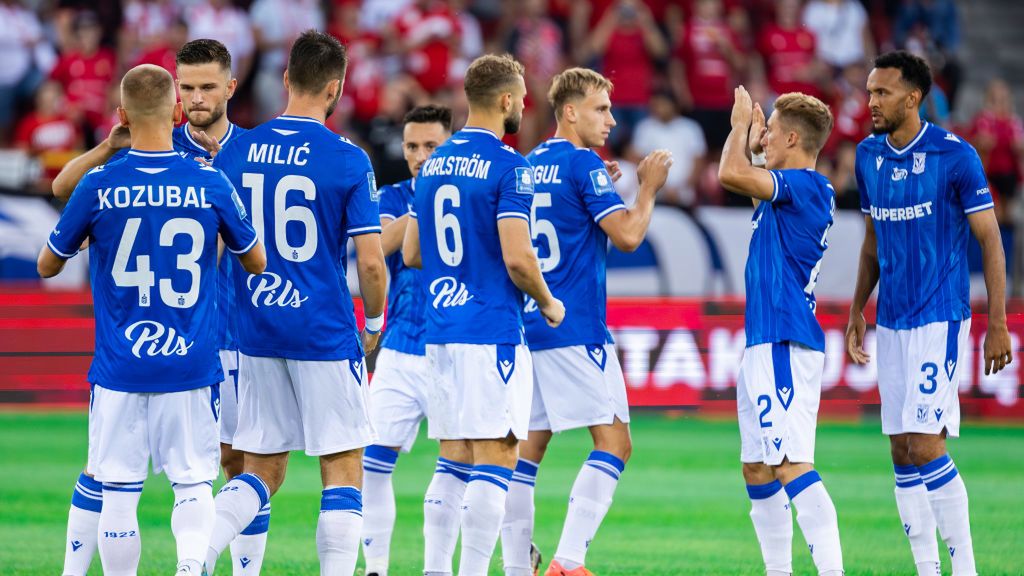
[
  {"x": 468, "y": 184},
  {"x": 308, "y": 191},
  {"x": 919, "y": 198},
  {"x": 186, "y": 146},
  {"x": 789, "y": 240},
  {"x": 406, "y": 298},
  {"x": 573, "y": 192},
  {"x": 153, "y": 220}
]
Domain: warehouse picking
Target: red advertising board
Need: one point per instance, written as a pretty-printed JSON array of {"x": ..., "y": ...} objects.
[{"x": 681, "y": 353}]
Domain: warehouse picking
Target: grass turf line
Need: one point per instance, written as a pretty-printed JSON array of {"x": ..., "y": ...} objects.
[{"x": 680, "y": 507}]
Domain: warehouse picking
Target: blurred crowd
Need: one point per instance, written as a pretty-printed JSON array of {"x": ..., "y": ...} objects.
[{"x": 674, "y": 64}]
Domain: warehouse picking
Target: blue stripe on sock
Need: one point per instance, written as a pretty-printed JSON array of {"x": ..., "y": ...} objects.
[
  {"x": 122, "y": 487},
  {"x": 87, "y": 500},
  {"x": 907, "y": 476},
  {"x": 762, "y": 491},
  {"x": 345, "y": 498},
  {"x": 377, "y": 470},
  {"x": 380, "y": 453},
  {"x": 457, "y": 469},
  {"x": 256, "y": 483},
  {"x": 798, "y": 485},
  {"x": 525, "y": 472},
  {"x": 608, "y": 457},
  {"x": 497, "y": 475},
  {"x": 938, "y": 472},
  {"x": 934, "y": 465},
  {"x": 260, "y": 524},
  {"x": 90, "y": 483}
]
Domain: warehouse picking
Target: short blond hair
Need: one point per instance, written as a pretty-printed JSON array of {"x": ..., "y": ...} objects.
[
  {"x": 808, "y": 116},
  {"x": 573, "y": 85},
  {"x": 148, "y": 90},
  {"x": 491, "y": 75}
]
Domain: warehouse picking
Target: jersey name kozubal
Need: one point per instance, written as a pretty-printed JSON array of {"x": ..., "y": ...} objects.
[
  {"x": 919, "y": 198},
  {"x": 308, "y": 191},
  {"x": 153, "y": 221},
  {"x": 470, "y": 183},
  {"x": 787, "y": 246},
  {"x": 573, "y": 192}
]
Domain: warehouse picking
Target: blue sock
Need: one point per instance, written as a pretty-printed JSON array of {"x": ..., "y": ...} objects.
[
  {"x": 379, "y": 459},
  {"x": 938, "y": 472}
]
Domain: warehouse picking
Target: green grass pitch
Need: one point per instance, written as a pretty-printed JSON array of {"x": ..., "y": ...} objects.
[{"x": 680, "y": 508}]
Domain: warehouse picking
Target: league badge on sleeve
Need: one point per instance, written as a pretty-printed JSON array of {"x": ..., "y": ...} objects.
[
  {"x": 238, "y": 204},
  {"x": 602, "y": 182},
  {"x": 524, "y": 181},
  {"x": 371, "y": 179}
]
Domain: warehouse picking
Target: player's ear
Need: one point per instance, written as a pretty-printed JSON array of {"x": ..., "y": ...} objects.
[
  {"x": 285, "y": 80},
  {"x": 178, "y": 111},
  {"x": 232, "y": 85},
  {"x": 122, "y": 116},
  {"x": 792, "y": 139},
  {"x": 569, "y": 113}
]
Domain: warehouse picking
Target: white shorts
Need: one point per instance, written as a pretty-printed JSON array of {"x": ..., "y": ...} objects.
[
  {"x": 398, "y": 397},
  {"x": 479, "y": 391},
  {"x": 178, "y": 430},
  {"x": 577, "y": 387},
  {"x": 317, "y": 406},
  {"x": 228, "y": 396},
  {"x": 919, "y": 377},
  {"x": 777, "y": 395}
]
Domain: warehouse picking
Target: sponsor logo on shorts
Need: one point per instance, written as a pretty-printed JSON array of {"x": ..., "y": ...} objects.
[
  {"x": 449, "y": 293},
  {"x": 272, "y": 290},
  {"x": 152, "y": 339}
]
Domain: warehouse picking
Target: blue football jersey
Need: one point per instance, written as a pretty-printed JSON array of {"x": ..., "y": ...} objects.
[
  {"x": 406, "y": 303},
  {"x": 919, "y": 198},
  {"x": 573, "y": 192},
  {"x": 153, "y": 220},
  {"x": 789, "y": 241},
  {"x": 468, "y": 184},
  {"x": 308, "y": 191}
]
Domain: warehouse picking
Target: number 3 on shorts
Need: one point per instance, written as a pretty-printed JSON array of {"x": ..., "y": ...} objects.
[{"x": 930, "y": 371}]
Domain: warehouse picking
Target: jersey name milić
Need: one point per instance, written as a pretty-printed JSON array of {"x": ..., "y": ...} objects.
[
  {"x": 573, "y": 192},
  {"x": 308, "y": 191},
  {"x": 919, "y": 198},
  {"x": 153, "y": 221},
  {"x": 470, "y": 183}
]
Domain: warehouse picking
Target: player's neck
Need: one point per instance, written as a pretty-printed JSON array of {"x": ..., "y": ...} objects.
[
  {"x": 493, "y": 122},
  {"x": 217, "y": 130},
  {"x": 300, "y": 105},
  {"x": 152, "y": 138},
  {"x": 902, "y": 136},
  {"x": 567, "y": 133}
]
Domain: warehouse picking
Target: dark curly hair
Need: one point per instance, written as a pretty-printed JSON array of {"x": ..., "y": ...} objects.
[
  {"x": 914, "y": 70},
  {"x": 204, "y": 51},
  {"x": 429, "y": 114}
]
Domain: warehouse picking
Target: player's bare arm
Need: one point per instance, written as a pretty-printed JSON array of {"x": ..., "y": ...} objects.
[
  {"x": 627, "y": 228},
  {"x": 867, "y": 279},
  {"x": 65, "y": 182},
  {"x": 523, "y": 268},
  {"x": 998, "y": 348},
  {"x": 411, "y": 247},
  {"x": 736, "y": 173},
  {"x": 255, "y": 260},
  {"x": 393, "y": 233},
  {"x": 49, "y": 264},
  {"x": 372, "y": 282}
]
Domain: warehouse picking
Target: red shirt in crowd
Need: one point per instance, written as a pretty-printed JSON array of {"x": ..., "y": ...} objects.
[
  {"x": 163, "y": 56},
  {"x": 628, "y": 65},
  {"x": 85, "y": 80},
  {"x": 40, "y": 135},
  {"x": 432, "y": 30},
  {"x": 364, "y": 80},
  {"x": 708, "y": 72},
  {"x": 786, "y": 54},
  {"x": 1008, "y": 133}
]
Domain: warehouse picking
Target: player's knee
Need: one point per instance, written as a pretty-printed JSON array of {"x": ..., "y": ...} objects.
[
  {"x": 756, "y": 473},
  {"x": 899, "y": 446},
  {"x": 923, "y": 448},
  {"x": 232, "y": 461}
]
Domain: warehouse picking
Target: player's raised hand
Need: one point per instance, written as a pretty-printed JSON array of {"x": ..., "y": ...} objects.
[
  {"x": 758, "y": 126},
  {"x": 553, "y": 313},
  {"x": 998, "y": 349},
  {"x": 208, "y": 142},
  {"x": 370, "y": 340},
  {"x": 855, "y": 330},
  {"x": 120, "y": 136},
  {"x": 742, "y": 108},
  {"x": 612, "y": 166},
  {"x": 653, "y": 170}
]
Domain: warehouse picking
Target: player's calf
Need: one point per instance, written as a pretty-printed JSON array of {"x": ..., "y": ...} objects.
[{"x": 119, "y": 541}]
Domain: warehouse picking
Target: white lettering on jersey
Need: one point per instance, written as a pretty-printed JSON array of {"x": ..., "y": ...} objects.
[
  {"x": 278, "y": 154},
  {"x": 982, "y": 191},
  {"x": 899, "y": 174},
  {"x": 472, "y": 167},
  {"x": 546, "y": 174},
  {"x": 919, "y": 162},
  {"x": 952, "y": 138},
  {"x": 266, "y": 292},
  {"x": 161, "y": 340},
  {"x": 901, "y": 214},
  {"x": 141, "y": 196},
  {"x": 449, "y": 293}
]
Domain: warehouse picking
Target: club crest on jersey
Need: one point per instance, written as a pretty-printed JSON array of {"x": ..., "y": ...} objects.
[
  {"x": 371, "y": 179},
  {"x": 919, "y": 162},
  {"x": 524, "y": 181},
  {"x": 898, "y": 174},
  {"x": 878, "y": 162},
  {"x": 597, "y": 355},
  {"x": 151, "y": 338},
  {"x": 602, "y": 182},
  {"x": 238, "y": 204},
  {"x": 449, "y": 293},
  {"x": 272, "y": 290}
]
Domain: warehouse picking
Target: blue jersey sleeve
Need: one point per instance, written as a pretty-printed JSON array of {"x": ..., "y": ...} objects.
[
  {"x": 782, "y": 193},
  {"x": 865, "y": 202},
  {"x": 392, "y": 205},
  {"x": 76, "y": 221},
  {"x": 362, "y": 213},
  {"x": 234, "y": 225},
  {"x": 970, "y": 184},
  {"x": 596, "y": 187},
  {"x": 515, "y": 191}
]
